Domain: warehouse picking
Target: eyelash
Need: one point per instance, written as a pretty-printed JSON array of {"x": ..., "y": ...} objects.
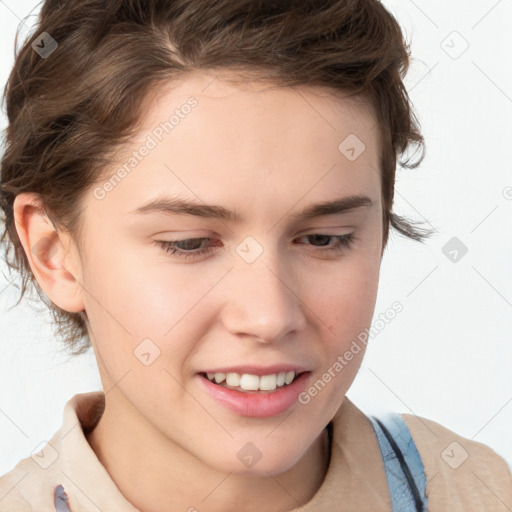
[{"x": 344, "y": 242}]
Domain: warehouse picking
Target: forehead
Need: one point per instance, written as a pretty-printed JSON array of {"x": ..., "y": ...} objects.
[
  {"x": 229, "y": 99},
  {"x": 245, "y": 139}
]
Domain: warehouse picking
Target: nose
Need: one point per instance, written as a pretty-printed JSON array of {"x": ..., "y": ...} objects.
[{"x": 263, "y": 301}]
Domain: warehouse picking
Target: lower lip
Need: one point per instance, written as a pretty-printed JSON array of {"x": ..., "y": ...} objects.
[{"x": 257, "y": 404}]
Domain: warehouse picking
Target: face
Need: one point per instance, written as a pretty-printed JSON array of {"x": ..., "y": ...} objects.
[{"x": 264, "y": 291}]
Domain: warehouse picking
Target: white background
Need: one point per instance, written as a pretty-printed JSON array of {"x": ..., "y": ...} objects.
[{"x": 447, "y": 355}]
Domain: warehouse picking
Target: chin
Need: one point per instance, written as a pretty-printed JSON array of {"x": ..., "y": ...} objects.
[{"x": 251, "y": 461}]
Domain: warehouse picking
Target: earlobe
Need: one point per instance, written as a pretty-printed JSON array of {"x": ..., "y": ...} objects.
[{"x": 48, "y": 254}]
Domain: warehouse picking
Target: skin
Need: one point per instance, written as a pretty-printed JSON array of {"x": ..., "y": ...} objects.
[{"x": 266, "y": 152}]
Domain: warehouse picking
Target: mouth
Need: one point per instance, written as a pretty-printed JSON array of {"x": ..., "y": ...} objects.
[
  {"x": 251, "y": 383},
  {"x": 257, "y": 396}
]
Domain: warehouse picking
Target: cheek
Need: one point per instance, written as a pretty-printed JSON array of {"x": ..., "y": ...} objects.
[
  {"x": 345, "y": 298},
  {"x": 133, "y": 298},
  {"x": 134, "y": 288},
  {"x": 346, "y": 307}
]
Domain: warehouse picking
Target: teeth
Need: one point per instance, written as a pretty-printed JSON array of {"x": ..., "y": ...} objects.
[
  {"x": 268, "y": 382},
  {"x": 219, "y": 377},
  {"x": 233, "y": 379},
  {"x": 249, "y": 382}
]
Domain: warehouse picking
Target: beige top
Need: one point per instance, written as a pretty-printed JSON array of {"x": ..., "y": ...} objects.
[{"x": 355, "y": 480}]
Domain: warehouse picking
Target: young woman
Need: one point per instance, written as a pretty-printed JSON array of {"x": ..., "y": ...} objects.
[{"x": 202, "y": 192}]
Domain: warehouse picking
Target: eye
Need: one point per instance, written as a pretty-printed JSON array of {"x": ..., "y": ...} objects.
[
  {"x": 342, "y": 241},
  {"x": 190, "y": 247}
]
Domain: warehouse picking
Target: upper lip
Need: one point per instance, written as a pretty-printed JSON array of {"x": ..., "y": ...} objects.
[{"x": 259, "y": 370}]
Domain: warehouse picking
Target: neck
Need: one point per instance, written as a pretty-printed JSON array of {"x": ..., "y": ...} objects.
[{"x": 153, "y": 473}]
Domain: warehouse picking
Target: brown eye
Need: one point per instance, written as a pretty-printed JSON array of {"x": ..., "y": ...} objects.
[
  {"x": 189, "y": 246},
  {"x": 342, "y": 241}
]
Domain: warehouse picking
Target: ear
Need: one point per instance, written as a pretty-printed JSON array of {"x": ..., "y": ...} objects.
[{"x": 52, "y": 256}]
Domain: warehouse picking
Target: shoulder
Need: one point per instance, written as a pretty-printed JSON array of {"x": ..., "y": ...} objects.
[
  {"x": 30, "y": 484},
  {"x": 459, "y": 471},
  {"x": 11, "y": 499}
]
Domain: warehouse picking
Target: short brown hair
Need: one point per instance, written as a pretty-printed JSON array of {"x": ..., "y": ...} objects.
[{"x": 68, "y": 112}]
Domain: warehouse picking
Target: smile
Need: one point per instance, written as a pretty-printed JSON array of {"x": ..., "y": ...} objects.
[
  {"x": 251, "y": 382},
  {"x": 268, "y": 395}
]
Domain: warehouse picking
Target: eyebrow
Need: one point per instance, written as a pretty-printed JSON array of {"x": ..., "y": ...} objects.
[{"x": 177, "y": 206}]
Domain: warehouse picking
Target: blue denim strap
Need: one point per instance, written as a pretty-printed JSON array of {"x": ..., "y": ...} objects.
[{"x": 404, "y": 469}]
